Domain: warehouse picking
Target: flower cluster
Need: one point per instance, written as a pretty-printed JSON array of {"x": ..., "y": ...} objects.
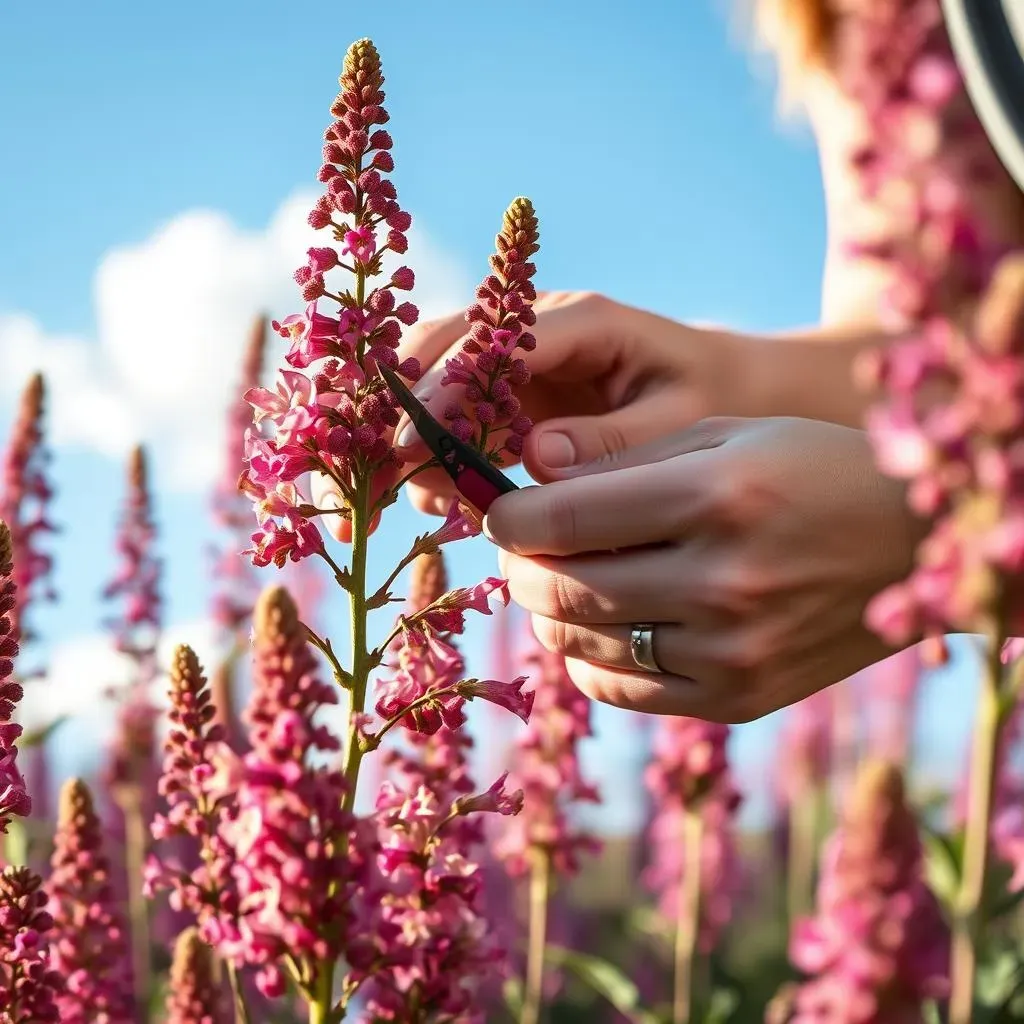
[
  {"x": 29, "y": 986},
  {"x": 878, "y": 945},
  {"x": 288, "y": 836},
  {"x": 486, "y": 369},
  {"x": 689, "y": 774},
  {"x": 194, "y": 996},
  {"x": 805, "y": 748},
  {"x": 338, "y": 421},
  {"x": 546, "y": 766},
  {"x": 89, "y": 940},
  {"x": 25, "y": 495},
  {"x": 14, "y": 799},
  {"x": 951, "y": 421},
  {"x": 200, "y": 774}
]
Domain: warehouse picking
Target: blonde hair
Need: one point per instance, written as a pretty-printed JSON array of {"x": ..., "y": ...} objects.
[{"x": 801, "y": 35}]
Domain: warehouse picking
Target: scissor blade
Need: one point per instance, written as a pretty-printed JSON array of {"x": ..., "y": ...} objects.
[{"x": 426, "y": 426}]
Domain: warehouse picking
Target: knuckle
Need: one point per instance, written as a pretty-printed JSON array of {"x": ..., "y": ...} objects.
[
  {"x": 739, "y": 590},
  {"x": 566, "y": 598}
]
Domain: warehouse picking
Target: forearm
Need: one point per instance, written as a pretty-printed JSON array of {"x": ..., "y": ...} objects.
[{"x": 810, "y": 374}]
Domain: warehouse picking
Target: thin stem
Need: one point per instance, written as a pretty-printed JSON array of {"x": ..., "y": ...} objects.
[
  {"x": 803, "y": 831},
  {"x": 138, "y": 907},
  {"x": 358, "y": 613},
  {"x": 537, "y": 937},
  {"x": 845, "y": 752},
  {"x": 241, "y": 1009},
  {"x": 321, "y": 1006},
  {"x": 968, "y": 916},
  {"x": 687, "y": 919}
]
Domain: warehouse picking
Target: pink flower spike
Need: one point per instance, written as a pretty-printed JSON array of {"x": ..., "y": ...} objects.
[{"x": 505, "y": 695}]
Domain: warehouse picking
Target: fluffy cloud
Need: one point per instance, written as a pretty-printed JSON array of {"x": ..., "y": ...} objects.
[{"x": 172, "y": 315}]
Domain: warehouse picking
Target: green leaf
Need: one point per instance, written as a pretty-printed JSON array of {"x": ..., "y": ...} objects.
[
  {"x": 42, "y": 734},
  {"x": 513, "y": 994},
  {"x": 943, "y": 857},
  {"x": 16, "y": 843},
  {"x": 722, "y": 1006},
  {"x": 606, "y": 979}
]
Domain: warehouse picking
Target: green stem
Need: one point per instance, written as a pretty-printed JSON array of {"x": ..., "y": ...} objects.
[
  {"x": 138, "y": 907},
  {"x": 241, "y": 1009},
  {"x": 537, "y": 940},
  {"x": 321, "y": 1006},
  {"x": 803, "y": 832},
  {"x": 968, "y": 912},
  {"x": 687, "y": 919},
  {"x": 360, "y": 657}
]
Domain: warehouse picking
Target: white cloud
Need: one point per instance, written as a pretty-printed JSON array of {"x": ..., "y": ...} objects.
[{"x": 172, "y": 315}]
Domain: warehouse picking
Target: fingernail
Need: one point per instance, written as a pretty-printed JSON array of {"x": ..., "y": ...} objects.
[
  {"x": 406, "y": 436},
  {"x": 485, "y": 527},
  {"x": 556, "y": 450}
]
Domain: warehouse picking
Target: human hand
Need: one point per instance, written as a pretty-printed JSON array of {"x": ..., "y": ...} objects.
[
  {"x": 755, "y": 544},
  {"x": 605, "y": 377}
]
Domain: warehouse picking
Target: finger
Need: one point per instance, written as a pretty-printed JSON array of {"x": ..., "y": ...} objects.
[
  {"x": 578, "y": 340},
  {"x": 636, "y": 585},
  {"x": 648, "y": 693},
  {"x": 654, "y": 446},
  {"x": 622, "y": 508},
  {"x": 324, "y": 493},
  {"x": 676, "y": 646},
  {"x": 431, "y": 492},
  {"x": 557, "y": 447}
]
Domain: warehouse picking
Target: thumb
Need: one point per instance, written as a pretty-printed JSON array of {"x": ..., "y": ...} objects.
[{"x": 637, "y": 434}]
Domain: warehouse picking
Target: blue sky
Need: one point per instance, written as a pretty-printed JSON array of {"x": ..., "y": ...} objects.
[{"x": 643, "y": 133}]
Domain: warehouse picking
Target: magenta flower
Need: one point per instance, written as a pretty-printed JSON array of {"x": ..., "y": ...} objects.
[
  {"x": 194, "y": 996},
  {"x": 29, "y": 986},
  {"x": 546, "y": 766},
  {"x": 25, "y": 496},
  {"x": 14, "y": 799},
  {"x": 89, "y": 940},
  {"x": 199, "y": 780},
  {"x": 293, "y": 874},
  {"x": 878, "y": 946},
  {"x": 689, "y": 774}
]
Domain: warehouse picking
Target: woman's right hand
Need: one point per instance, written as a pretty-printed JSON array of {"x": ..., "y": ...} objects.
[{"x": 605, "y": 377}]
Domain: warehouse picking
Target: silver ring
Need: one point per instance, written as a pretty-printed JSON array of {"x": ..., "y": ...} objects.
[{"x": 641, "y": 646}]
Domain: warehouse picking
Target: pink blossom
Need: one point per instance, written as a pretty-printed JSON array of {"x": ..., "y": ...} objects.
[
  {"x": 361, "y": 243},
  {"x": 25, "y": 497},
  {"x": 29, "y": 985},
  {"x": 90, "y": 946},
  {"x": 14, "y": 800},
  {"x": 878, "y": 945}
]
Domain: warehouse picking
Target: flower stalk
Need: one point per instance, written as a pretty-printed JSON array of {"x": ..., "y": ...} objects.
[
  {"x": 536, "y": 937},
  {"x": 687, "y": 919}
]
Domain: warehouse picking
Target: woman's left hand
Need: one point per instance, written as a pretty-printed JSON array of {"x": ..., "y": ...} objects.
[{"x": 755, "y": 546}]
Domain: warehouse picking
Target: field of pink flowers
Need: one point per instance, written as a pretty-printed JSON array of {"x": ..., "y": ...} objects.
[{"x": 242, "y": 862}]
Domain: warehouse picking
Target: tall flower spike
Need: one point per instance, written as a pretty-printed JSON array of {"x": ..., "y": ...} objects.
[
  {"x": 877, "y": 947},
  {"x": 486, "y": 369},
  {"x": 200, "y": 775},
  {"x": 90, "y": 942},
  {"x": 546, "y": 765},
  {"x": 689, "y": 774},
  {"x": 29, "y": 986},
  {"x": 236, "y": 586},
  {"x": 292, "y": 866},
  {"x": 14, "y": 799},
  {"x": 25, "y": 496},
  {"x": 195, "y": 996},
  {"x": 338, "y": 419},
  {"x": 136, "y": 585}
]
